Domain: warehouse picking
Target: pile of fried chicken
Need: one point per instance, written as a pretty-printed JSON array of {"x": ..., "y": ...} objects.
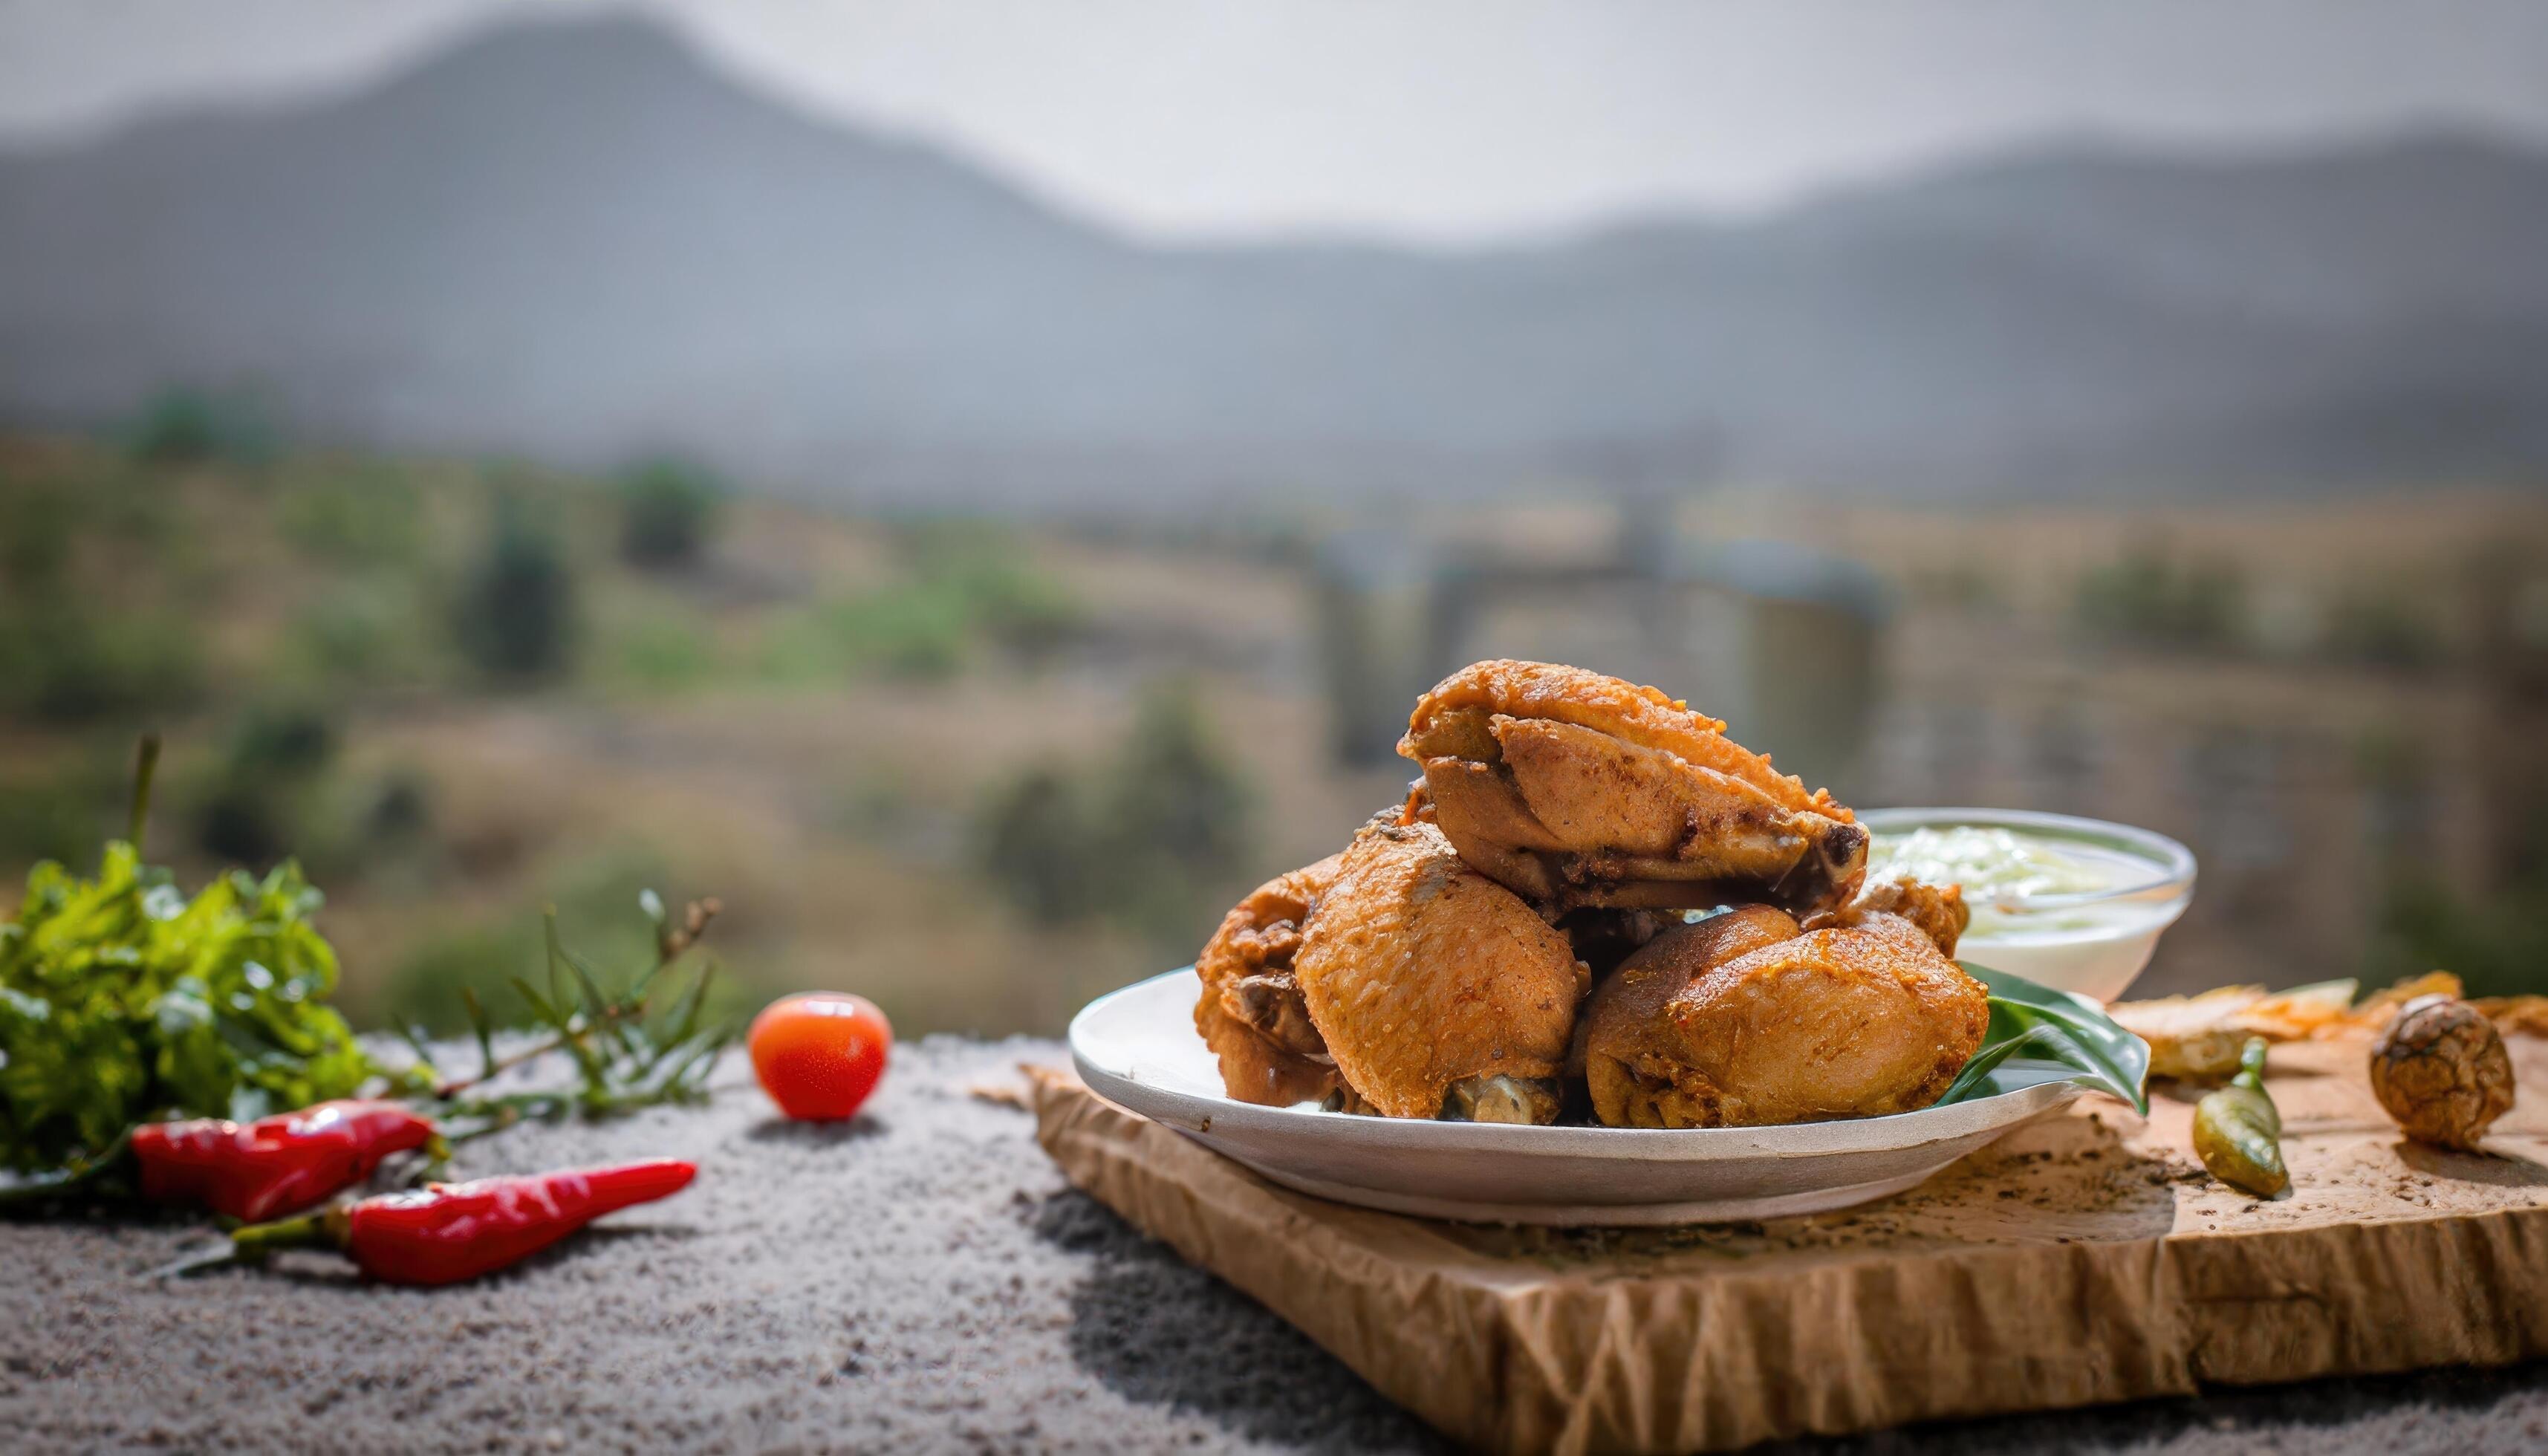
[{"x": 1592, "y": 905}]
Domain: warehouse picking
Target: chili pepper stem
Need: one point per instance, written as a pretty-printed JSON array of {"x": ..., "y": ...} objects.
[{"x": 253, "y": 1243}]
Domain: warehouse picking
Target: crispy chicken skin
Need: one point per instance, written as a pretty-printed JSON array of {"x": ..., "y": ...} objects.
[
  {"x": 1575, "y": 789},
  {"x": 1748, "y": 1019},
  {"x": 1437, "y": 991},
  {"x": 1250, "y": 1012},
  {"x": 1938, "y": 911}
]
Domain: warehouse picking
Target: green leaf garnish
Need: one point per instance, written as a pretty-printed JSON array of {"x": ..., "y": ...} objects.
[{"x": 2035, "y": 1030}]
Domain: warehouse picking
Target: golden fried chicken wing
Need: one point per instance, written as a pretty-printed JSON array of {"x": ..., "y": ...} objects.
[
  {"x": 1437, "y": 991},
  {"x": 1250, "y": 1012},
  {"x": 1746, "y": 1019},
  {"x": 1572, "y": 789}
]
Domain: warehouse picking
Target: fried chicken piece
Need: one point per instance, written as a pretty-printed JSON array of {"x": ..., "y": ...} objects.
[
  {"x": 1630, "y": 1046},
  {"x": 1250, "y": 1012},
  {"x": 1748, "y": 1019},
  {"x": 1437, "y": 991},
  {"x": 1938, "y": 910},
  {"x": 1574, "y": 790}
]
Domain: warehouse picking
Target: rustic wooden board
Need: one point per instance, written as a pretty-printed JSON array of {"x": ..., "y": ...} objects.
[{"x": 2081, "y": 1260}]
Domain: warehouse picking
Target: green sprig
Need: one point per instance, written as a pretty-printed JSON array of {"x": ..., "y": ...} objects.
[{"x": 629, "y": 1051}]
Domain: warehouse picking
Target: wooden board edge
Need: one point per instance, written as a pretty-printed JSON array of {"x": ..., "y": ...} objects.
[{"x": 1680, "y": 1365}]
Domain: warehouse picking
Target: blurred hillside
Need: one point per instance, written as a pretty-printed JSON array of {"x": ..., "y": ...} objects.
[
  {"x": 559, "y": 467},
  {"x": 983, "y": 771},
  {"x": 577, "y": 241},
  {"x": 979, "y": 775}
]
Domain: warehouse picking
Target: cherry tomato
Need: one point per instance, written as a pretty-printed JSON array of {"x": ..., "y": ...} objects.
[{"x": 820, "y": 1053}]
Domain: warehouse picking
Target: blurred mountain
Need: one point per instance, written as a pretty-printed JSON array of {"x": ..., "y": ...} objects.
[{"x": 581, "y": 241}]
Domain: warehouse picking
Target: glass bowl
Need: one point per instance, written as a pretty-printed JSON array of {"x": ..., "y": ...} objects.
[{"x": 2093, "y": 942}]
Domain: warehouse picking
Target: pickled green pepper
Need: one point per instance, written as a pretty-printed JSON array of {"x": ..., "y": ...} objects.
[{"x": 2237, "y": 1132}]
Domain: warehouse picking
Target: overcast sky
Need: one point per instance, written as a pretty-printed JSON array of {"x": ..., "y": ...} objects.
[{"x": 1448, "y": 121}]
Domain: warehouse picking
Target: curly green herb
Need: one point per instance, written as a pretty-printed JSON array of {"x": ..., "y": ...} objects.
[{"x": 122, "y": 1000}]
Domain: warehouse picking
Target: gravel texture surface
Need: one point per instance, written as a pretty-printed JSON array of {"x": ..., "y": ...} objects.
[{"x": 917, "y": 1280}]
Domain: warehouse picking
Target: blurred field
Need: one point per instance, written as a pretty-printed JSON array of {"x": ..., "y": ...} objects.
[{"x": 983, "y": 771}]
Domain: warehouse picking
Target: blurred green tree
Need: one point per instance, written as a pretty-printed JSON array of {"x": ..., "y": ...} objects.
[
  {"x": 257, "y": 807},
  {"x": 515, "y": 616},
  {"x": 667, "y": 511},
  {"x": 1154, "y": 838},
  {"x": 1035, "y": 844},
  {"x": 184, "y": 426},
  {"x": 1177, "y": 818},
  {"x": 69, "y": 652},
  {"x": 2495, "y": 944}
]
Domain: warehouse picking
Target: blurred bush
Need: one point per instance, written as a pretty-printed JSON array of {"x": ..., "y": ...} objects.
[
  {"x": 984, "y": 568},
  {"x": 967, "y": 587},
  {"x": 40, "y": 526},
  {"x": 667, "y": 511},
  {"x": 2383, "y": 627},
  {"x": 367, "y": 518},
  {"x": 62, "y": 807},
  {"x": 1154, "y": 838},
  {"x": 183, "y": 426},
  {"x": 69, "y": 652},
  {"x": 65, "y": 663},
  {"x": 1039, "y": 841},
  {"x": 918, "y": 631},
  {"x": 259, "y": 806},
  {"x": 2495, "y": 944},
  {"x": 48, "y": 821},
  {"x": 663, "y": 652},
  {"x": 515, "y": 616},
  {"x": 2150, "y": 597},
  {"x": 363, "y": 633}
]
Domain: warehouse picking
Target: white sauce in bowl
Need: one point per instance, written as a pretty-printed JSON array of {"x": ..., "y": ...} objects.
[
  {"x": 2072, "y": 903},
  {"x": 2002, "y": 870},
  {"x": 1998, "y": 863}
]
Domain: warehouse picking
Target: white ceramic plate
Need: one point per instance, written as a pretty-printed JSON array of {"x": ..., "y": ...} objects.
[{"x": 1138, "y": 1048}]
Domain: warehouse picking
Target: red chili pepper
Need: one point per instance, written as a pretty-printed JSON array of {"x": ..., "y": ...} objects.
[
  {"x": 445, "y": 1232},
  {"x": 274, "y": 1164}
]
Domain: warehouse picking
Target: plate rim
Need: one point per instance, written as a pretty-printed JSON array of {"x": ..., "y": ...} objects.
[{"x": 1889, "y": 1132}]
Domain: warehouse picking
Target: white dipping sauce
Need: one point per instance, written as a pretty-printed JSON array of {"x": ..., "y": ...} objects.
[
  {"x": 2002, "y": 870},
  {"x": 2054, "y": 907}
]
